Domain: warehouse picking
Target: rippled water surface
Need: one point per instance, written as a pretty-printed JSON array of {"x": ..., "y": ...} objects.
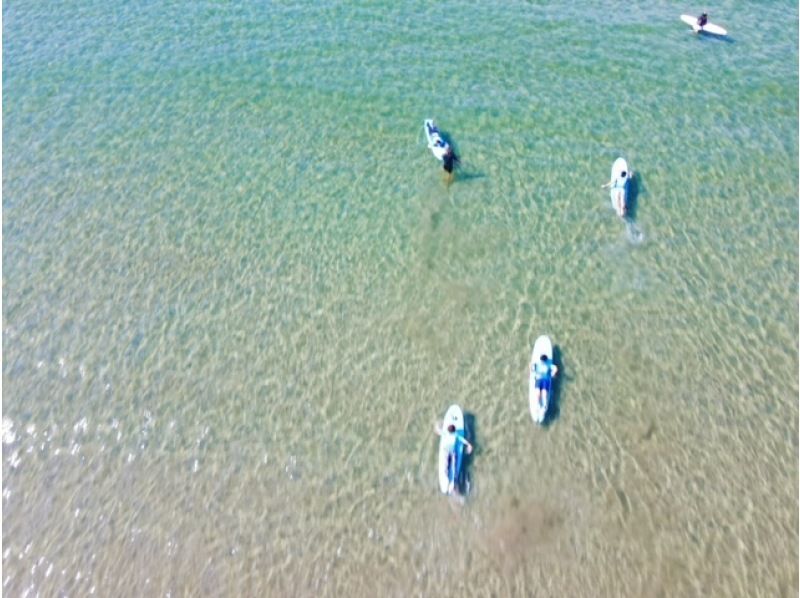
[{"x": 237, "y": 293}]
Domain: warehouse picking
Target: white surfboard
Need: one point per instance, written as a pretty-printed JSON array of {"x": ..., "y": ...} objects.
[
  {"x": 707, "y": 28},
  {"x": 436, "y": 142},
  {"x": 620, "y": 177},
  {"x": 453, "y": 416},
  {"x": 542, "y": 346}
]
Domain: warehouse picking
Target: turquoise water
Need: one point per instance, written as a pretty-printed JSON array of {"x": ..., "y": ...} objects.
[{"x": 237, "y": 293}]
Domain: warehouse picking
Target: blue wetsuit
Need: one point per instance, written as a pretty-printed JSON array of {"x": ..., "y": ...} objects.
[
  {"x": 449, "y": 161},
  {"x": 456, "y": 456}
]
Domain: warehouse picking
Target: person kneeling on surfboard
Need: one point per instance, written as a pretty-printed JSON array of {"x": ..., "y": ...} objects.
[
  {"x": 543, "y": 370},
  {"x": 702, "y": 20},
  {"x": 452, "y": 465}
]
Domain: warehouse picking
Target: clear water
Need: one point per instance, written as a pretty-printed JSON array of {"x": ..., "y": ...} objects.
[{"x": 237, "y": 293}]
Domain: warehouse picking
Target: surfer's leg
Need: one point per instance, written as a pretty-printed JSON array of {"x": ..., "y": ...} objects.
[
  {"x": 449, "y": 466},
  {"x": 541, "y": 390},
  {"x": 451, "y": 472}
]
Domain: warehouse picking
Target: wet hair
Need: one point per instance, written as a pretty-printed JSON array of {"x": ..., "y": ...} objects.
[
  {"x": 451, "y": 428},
  {"x": 543, "y": 358},
  {"x": 622, "y": 174}
]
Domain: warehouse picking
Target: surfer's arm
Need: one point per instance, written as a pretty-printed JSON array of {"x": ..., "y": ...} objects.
[
  {"x": 466, "y": 443},
  {"x": 608, "y": 184}
]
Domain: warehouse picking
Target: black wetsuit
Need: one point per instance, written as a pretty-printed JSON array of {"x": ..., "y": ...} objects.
[
  {"x": 449, "y": 161},
  {"x": 701, "y": 22}
]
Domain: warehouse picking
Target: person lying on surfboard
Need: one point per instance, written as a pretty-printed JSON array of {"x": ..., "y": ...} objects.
[
  {"x": 618, "y": 182},
  {"x": 457, "y": 436},
  {"x": 543, "y": 370},
  {"x": 618, "y": 185}
]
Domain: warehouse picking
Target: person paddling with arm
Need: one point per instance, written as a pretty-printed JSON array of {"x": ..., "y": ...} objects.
[
  {"x": 618, "y": 190},
  {"x": 457, "y": 437},
  {"x": 622, "y": 175}
]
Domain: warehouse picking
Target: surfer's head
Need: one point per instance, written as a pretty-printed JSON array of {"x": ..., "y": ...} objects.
[
  {"x": 451, "y": 428},
  {"x": 622, "y": 174},
  {"x": 543, "y": 358}
]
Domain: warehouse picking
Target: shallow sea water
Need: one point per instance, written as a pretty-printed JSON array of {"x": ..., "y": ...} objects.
[{"x": 237, "y": 293}]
